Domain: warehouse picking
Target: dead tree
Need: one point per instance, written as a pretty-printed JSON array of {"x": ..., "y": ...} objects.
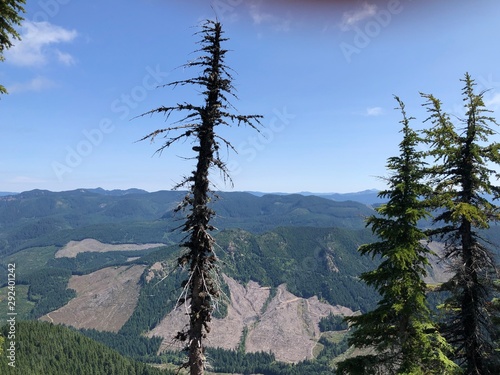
[{"x": 198, "y": 126}]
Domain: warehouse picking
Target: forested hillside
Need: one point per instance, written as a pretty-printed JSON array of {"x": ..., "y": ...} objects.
[
  {"x": 310, "y": 261},
  {"x": 44, "y": 348}
]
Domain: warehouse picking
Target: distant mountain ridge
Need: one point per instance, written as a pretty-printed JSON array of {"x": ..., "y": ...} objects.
[
  {"x": 116, "y": 192},
  {"x": 366, "y": 196},
  {"x": 42, "y": 218},
  {"x": 6, "y": 193},
  {"x": 369, "y": 196}
]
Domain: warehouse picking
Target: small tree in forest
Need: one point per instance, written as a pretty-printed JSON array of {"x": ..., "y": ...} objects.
[
  {"x": 400, "y": 330},
  {"x": 10, "y": 11},
  {"x": 198, "y": 126},
  {"x": 464, "y": 161}
]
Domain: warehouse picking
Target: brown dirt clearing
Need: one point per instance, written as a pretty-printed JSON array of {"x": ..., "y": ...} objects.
[
  {"x": 289, "y": 327},
  {"x": 73, "y": 248},
  {"x": 104, "y": 301}
]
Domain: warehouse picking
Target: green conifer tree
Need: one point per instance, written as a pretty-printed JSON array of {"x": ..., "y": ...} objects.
[
  {"x": 399, "y": 332},
  {"x": 198, "y": 126},
  {"x": 464, "y": 161}
]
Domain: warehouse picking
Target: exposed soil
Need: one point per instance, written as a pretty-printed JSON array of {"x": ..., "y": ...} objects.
[
  {"x": 72, "y": 248},
  {"x": 288, "y": 327},
  {"x": 105, "y": 299}
]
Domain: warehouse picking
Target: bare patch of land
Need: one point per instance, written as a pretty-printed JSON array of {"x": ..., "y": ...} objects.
[
  {"x": 439, "y": 270},
  {"x": 288, "y": 327},
  {"x": 72, "y": 248},
  {"x": 104, "y": 301}
]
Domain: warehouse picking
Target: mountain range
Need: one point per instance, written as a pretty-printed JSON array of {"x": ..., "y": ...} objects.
[
  {"x": 104, "y": 262},
  {"x": 41, "y": 218},
  {"x": 369, "y": 196}
]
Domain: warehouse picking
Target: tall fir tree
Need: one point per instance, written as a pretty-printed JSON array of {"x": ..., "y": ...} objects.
[
  {"x": 10, "y": 17},
  {"x": 198, "y": 126},
  {"x": 399, "y": 331},
  {"x": 462, "y": 175}
]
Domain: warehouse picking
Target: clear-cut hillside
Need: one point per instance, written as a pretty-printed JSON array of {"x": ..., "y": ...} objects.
[
  {"x": 286, "y": 325},
  {"x": 105, "y": 299},
  {"x": 73, "y": 248}
]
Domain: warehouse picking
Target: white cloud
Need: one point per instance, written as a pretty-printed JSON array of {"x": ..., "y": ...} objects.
[
  {"x": 351, "y": 18},
  {"x": 374, "y": 111},
  {"x": 260, "y": 16},
  {"x": 36, "y": 84},
  {"x": 36, "y": 45}
]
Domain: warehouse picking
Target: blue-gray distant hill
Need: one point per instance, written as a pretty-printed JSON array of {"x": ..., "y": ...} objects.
[
  {"x": 5, "y": 193},
  {"x": 369, "y": 197},
  {"x": 42, "y": 218}
]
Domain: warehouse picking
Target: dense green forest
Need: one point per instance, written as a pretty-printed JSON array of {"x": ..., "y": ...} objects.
[
  {"x": 233, "y": 361},
  {"x": 156, "y": 299},
  {"x": 47, "y": 289},
  {"x": 135, "y": 346},
  {"x": 44, "y": 348},
  {"x": 332, "y": 323}
]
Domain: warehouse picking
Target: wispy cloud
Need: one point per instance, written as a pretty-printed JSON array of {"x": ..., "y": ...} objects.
[
  {"x": 36, "y": 46},
  {"x": 374, "y": 111},
  {"x": 260, "y": 16},
  {"x": 493, "y": 102},
  {"x": 350, "y": 18},
  {"x": 36, "y": 84},
  {"x": 65, "y": 58}
]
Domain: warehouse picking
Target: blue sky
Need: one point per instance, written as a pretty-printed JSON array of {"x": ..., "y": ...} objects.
[{"x": 322, "y": 73}]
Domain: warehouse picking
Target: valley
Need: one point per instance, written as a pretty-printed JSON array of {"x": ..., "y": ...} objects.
[{"x": 105, "y": 264}]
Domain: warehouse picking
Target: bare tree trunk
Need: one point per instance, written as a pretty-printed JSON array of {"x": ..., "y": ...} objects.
[
  {"x": 200, "y": 122},
  {"x": 200, "y": 245},
  {"x": 471, "y": 303}
]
